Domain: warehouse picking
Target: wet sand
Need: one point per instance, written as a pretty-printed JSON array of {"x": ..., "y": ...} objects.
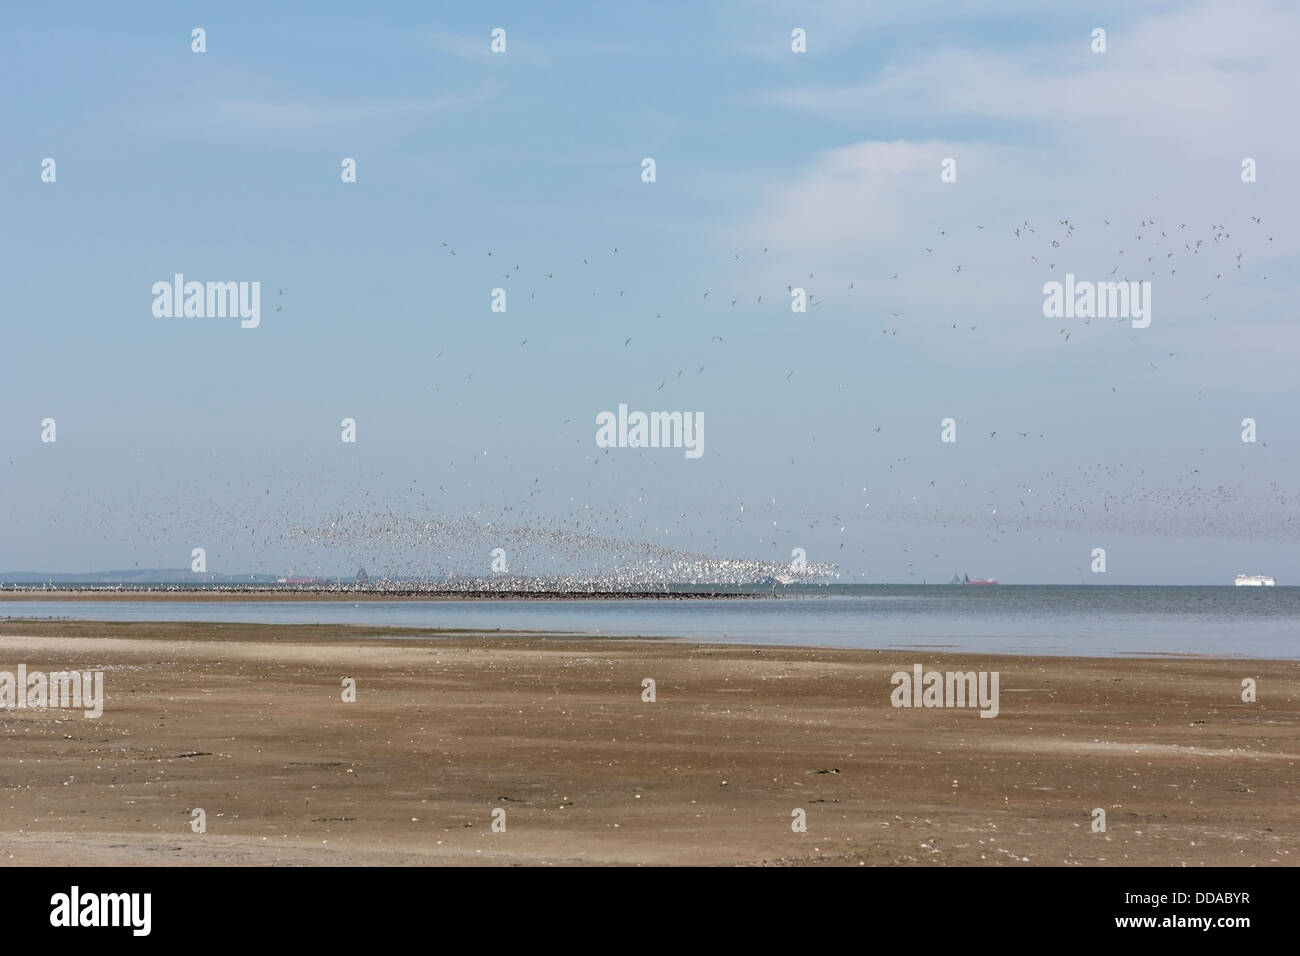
[{"x": 247, "y": 722}]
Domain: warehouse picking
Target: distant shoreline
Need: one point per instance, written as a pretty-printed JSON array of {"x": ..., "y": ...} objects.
[
  {"x": 270, "y": 593},
  {"x": 265, "y": 594}
]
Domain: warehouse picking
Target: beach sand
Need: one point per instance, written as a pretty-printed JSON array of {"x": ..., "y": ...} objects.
[{"x": 247, "y": 723}]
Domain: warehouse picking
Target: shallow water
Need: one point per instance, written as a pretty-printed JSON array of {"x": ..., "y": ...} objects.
[{"x": 1080, "y": 620}]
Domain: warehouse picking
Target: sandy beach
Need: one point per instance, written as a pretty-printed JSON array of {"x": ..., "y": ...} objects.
[{"x": 248, "y": 722}]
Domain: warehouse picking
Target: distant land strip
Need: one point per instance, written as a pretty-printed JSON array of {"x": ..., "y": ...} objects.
[{"x": 236, "y": 593}]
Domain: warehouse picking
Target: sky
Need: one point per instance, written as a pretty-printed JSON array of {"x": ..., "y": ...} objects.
[{"x": 775, "y": 170}]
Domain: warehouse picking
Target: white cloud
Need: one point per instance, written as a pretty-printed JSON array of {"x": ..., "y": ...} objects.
[{"x": 1154, "y": 129}]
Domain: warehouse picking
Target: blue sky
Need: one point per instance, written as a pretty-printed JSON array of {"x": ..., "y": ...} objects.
[{"x": 175, "y": 433}]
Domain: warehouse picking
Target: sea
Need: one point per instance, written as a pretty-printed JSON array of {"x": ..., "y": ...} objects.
[{"x": 1090, "y": 620}]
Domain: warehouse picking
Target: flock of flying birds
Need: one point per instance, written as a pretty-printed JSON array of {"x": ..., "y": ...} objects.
[
  {"x": 613, "y": 537},
  {"x": 1164, "y": 243}
]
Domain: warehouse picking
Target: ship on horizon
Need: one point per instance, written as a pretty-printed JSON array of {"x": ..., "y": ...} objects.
[
  {"x": 1254, "y": 581},
  {"x": 967, "y": 581}
]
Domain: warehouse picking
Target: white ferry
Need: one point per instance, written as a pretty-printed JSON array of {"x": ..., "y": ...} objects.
[{"x": 1254, "y": 581}]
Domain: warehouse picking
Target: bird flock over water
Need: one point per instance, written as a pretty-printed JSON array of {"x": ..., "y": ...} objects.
[{"x": 602, "y": 539}]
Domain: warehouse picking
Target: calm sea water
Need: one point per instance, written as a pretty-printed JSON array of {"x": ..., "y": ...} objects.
[{"x": 1083, "y": 620}]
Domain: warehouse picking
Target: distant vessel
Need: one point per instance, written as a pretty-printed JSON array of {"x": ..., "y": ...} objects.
[
  {"x": 979, "y": 582},
  {"x": 1254, "y": 581}
]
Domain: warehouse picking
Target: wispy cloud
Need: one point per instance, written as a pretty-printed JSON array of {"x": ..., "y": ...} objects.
[
  {"x": 1230, "y": 65},
  {"x": 521, "y": 49},
  {"x": 301, "y": 115}
]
